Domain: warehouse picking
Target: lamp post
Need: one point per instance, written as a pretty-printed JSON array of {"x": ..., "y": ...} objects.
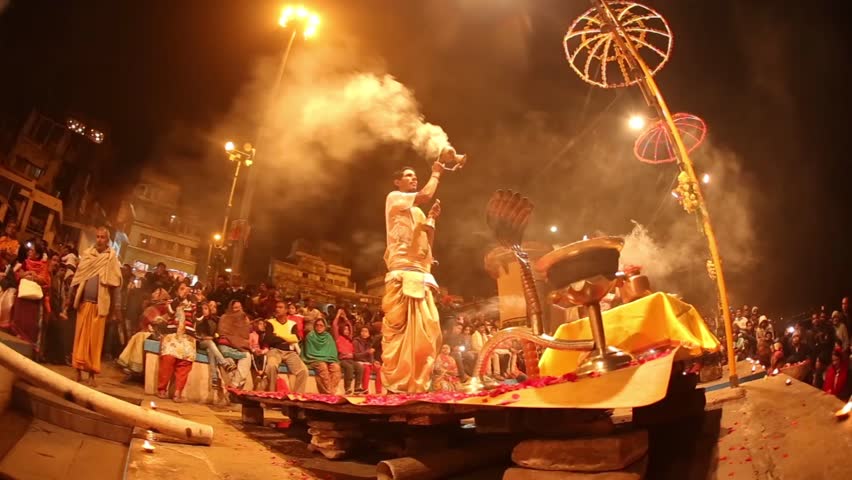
[
  {"x": 240, "y": 157},
  {"x": 217, "y": 237},
  {"x": 297, "y": 19}
]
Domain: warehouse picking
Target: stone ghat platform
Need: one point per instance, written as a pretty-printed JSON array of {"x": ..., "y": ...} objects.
[{"x": 764, "y": 429}]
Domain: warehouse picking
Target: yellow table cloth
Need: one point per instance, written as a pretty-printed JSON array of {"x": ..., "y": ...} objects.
[{"x": 649, "y": 322}]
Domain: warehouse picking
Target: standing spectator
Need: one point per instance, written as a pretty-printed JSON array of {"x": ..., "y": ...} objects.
[
  {"x": 844, "y": 312},
  {"x": 840, "y": 332},
  {"x": 764, "y": 349},
  {"x": 161, "y": 279},
  {"x": 817, "y": 377},
  {"x": 221, "y": 294},
  {"x": 95, "y": 295},
  {"x": 28, "y": 315},
  {"x": 283, "y": 342},
  {"x": 352, "y": 370},
  {"x": 177, "y": 348},
  {"x": 320, "y": 353},
  {"x": 365, "y": 354},
  {"x": 9, "y": 247},
  {"x": 835, "y": 375}
]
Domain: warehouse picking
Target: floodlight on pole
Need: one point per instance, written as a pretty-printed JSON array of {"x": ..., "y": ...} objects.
[
  {"x": 299, "y": 20},
  {"x": 636, "y": 122}
]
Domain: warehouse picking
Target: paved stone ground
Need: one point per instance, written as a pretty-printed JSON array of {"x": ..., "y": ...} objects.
[{"x": 763, "y": 430}]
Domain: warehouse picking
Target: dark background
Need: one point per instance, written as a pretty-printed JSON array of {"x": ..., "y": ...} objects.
[{"x": 769, "y": 78}]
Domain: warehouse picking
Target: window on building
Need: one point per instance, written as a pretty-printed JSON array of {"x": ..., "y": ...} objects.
[
  {"x": 25, "y": 167},
  {"x": 46, "y": 132}
]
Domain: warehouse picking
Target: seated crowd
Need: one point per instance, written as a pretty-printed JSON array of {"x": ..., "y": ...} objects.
[
  {"x": 248, "y": 333},
  {"x": 816, "y": 349}
]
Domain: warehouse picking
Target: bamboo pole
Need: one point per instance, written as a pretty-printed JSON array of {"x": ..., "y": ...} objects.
[
  {"x": 106, "y": 405},
  {"x": 623, "y": 41}
]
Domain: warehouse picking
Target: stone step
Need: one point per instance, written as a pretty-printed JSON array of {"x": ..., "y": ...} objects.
[
  {"x": 587, "y": 454},
  {"x": 635, "y": 471},
  {"x": 43, "y": 405},
  {"x": 48, "y": 452}
]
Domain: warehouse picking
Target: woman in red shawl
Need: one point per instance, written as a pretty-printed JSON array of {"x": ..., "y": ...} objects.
[
  {"x": 28, "y": 315},
  {"x": 835, "y": 376}
]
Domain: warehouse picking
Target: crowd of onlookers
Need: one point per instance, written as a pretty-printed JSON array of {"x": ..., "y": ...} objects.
[
  {"x": 248, "y": 332},
  {"x": 815, "y": 349},
  {"x": 245, "y": 332}
]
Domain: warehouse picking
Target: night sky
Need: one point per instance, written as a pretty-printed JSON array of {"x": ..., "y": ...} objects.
[{"x": 769, "y": 78}]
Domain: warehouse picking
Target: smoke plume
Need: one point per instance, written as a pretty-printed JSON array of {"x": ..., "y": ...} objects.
[
  {"x": 674, "y": 253},
  {"x": 380, "y": 108},
  {"x": 332, "y": 110}
]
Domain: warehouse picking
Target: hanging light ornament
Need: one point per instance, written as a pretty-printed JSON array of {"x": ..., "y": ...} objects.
[
  {"x": 598, "y": 59},
  {"x": 655, "y": 145}
]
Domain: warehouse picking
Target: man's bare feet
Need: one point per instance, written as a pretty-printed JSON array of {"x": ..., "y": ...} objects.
[
  {"x": 79, "y": 376},
  {"x": 92, "y": 383}
]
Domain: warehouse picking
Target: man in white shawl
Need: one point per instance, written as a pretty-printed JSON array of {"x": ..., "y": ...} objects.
[{"x": 94, "y": 293}]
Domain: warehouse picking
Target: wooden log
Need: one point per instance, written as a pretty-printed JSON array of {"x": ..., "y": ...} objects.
[
  {"x": 106, "y": 405},
  {"x": 445, "y": 463}
]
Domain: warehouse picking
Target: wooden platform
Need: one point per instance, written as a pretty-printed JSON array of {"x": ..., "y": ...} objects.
[{"x": 420, "y": 408}]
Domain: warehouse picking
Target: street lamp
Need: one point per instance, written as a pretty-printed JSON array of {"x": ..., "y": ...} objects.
[
  {"x": 636, "y": 122},
  {"x": 240, "y": 157},
  {"x": 217, "y": 237},
  {"x": 298, "y": 19},
  {"x": 301, "y": 14}
]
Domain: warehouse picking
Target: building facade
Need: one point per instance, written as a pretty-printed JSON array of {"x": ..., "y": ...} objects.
[
  {"x": 153, "y": 229},
  {"x": 305, "y": 274},
  {"x": 47, "y": 174}
]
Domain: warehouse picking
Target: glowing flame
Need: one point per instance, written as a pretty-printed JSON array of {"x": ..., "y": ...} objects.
[
  {"x": 147, "y": 447},
  {"x": 844, "y": 412},
  {"x": 775, "y": 372},
  {"x": 153, "y": 406}
]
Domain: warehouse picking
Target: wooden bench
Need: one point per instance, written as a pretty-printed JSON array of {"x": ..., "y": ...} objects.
[{"x": 198, "y": 384}]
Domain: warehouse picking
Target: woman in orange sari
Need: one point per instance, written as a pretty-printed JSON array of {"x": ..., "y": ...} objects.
[
  {"x": 445, "y": 373},
  {"x": 28, "y": 315}
]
